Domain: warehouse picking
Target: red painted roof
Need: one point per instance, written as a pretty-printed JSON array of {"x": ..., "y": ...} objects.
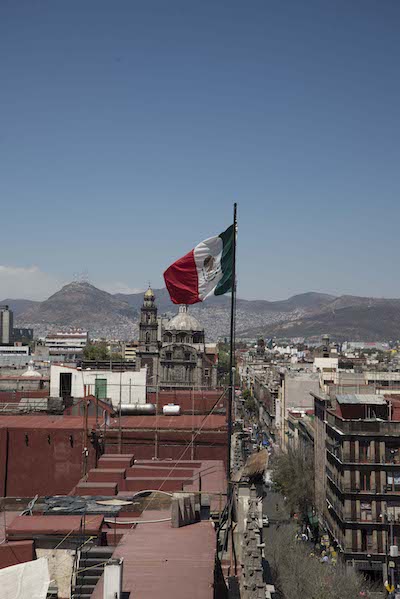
[
  {"x": 6, "y": 519},
  {"x": 213, "y": 481},
  {"x": 54, "y": 525},
  {"x": 213, "y": 422},
  {"x": 16, "y": 552},
  {"x": 161, "y": 561},
  {"x": 40, "y": 421}
]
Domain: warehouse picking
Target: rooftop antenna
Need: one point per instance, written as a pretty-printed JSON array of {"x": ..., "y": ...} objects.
[{"x": 84, "y": 276}]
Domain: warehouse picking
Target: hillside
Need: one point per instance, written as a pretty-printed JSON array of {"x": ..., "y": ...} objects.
[
  {"x": 18, "y": 306},
  {"x": 306, "y": 301},
  {"x": 363, "y": 321},
  {"x": 309, "y": 315},
  {"x": 81, "y": 305}
]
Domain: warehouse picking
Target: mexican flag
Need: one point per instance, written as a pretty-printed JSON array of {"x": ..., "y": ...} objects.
[{"x": 204, "y": 271}]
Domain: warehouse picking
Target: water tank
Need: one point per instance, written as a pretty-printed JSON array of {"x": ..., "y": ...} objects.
[
  {"x": 137, "y": 409},
  {"x": 171, "y": 409}
]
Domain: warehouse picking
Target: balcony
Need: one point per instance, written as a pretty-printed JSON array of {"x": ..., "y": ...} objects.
[
  {"x": 335, "y": 505},
  {"x": 357, "y": 489},
  {"x": 335, "y": 481},
  {"x": 346, "y": 459},
  {"x": 353, "y": 489},
  {"x": 364, "y": 427}
]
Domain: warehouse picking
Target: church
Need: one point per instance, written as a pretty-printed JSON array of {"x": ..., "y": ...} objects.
[{"x": 174, "y": 351}]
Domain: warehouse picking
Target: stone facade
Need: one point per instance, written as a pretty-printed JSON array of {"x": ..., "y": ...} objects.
[{"x": 175, "y": 355}]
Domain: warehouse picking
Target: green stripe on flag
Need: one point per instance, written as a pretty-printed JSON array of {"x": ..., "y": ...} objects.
[{"x": 225, "y": 284}]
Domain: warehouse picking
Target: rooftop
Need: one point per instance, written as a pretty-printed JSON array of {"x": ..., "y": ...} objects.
[
  {"x": 161, "y": 561},
  {"x": 53, "y": 525},
  {"x": 214, "y": 422},
  {"x": 358, "y": 398}
]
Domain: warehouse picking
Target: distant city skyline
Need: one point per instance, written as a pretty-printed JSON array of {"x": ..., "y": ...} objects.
[{"x": 127, "y": 132}]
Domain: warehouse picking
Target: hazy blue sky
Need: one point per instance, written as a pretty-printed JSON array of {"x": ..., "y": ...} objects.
[{"x": 128, "y": 129}]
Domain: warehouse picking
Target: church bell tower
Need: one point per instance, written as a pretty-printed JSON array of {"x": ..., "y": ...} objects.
[{"x": 147, "y": 354}]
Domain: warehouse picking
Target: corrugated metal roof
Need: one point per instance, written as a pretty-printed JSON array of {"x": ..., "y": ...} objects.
[
  {"x": 358, "y": 398},
  {"x": 161, "y": 561}
]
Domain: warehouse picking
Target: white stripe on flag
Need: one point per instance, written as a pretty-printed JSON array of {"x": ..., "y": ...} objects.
[{"x": 207, "y": 257}]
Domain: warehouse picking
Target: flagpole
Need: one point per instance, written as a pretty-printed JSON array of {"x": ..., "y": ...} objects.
[{"x": 232, "y": 352}]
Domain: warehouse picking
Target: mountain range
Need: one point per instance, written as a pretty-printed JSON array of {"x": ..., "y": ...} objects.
[{"x": 309, "y": 315}]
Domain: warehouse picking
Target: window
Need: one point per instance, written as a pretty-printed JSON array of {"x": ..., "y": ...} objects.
[
  {"x": 365, "y": 481},
  {"x": 393, "y": 481},
  {"x": 206, "y": 372},
  {"x": 393, "y": 510},
  {"x": 168, "y": 355},
  {"x": 366, "y": 511},
  {"x": 392, "y": 454},
  {"x": 366, "y": 540},
  {"x": 187, "y": 356},
  {"x": 364, "y": 450}
]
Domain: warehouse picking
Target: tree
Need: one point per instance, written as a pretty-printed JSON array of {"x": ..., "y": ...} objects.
[
  {"x": 246, "y": 393},
  {"x": 250, "y": 405},
  {"x": 96, "y": 351},
  {"x": 297, "y": 573},
  {"x": 293, "y": 474}
]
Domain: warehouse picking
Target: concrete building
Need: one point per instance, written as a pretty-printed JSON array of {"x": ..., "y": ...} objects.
[
  {"x": 14, "y": 356},
  {"x": 278, "y": 390},
  {"x": 14, "y": 350},
  {"x": 300, "y": 429},
  {"x": 357, "y": 477},
  {"x": 22, "y": 335},
  {"x": 174, "y": 352},
  {"x": 66, "y": 346},
  {"x": 127, "y": 387},
  {"x": 130, "y": 352},
  {"x": 296, "y": 386},
  {"x": 6, "y": 325}
]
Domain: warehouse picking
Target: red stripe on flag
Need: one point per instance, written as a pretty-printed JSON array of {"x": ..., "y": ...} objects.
[{"x": 182, "y": 281}]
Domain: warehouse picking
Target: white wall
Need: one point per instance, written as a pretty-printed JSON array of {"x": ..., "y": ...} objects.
[
  {"x": 130, "y": 386},
  {"x": 322, "y": 363},
  {"x": 298, "y": 387}
]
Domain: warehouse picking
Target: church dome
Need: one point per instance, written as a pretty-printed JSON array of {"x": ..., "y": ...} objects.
[
  {"x": 31, "y": 372},
  {"x": 149, "y": 293},
  {"x": 183, "y": 321}
]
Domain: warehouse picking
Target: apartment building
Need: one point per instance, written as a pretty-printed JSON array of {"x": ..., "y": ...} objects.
[
  {"x": 66, "y": 345},
  {"x": 357, "y": 463},
  {"x": 6, "y": 326}
]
